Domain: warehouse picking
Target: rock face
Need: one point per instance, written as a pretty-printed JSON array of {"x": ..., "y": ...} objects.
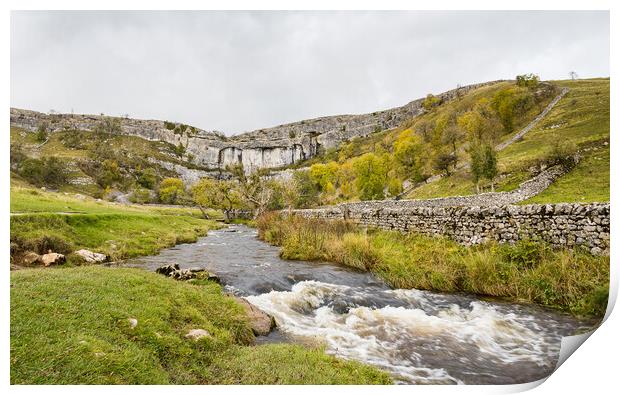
[
  {"x": 52, "y": 258},
  {"x": 261, "y": 322},
  {"x": 265, "y": 148},
  {"x": 91, "y": 257}
]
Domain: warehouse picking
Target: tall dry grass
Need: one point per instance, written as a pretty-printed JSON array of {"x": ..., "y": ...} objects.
[{"x": 527, "y": 271}]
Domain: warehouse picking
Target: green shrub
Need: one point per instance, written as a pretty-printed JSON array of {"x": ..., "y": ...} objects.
[
  {"x": 169, "y": 125},
  {"x": 430, "y": 101},
  {"x": 562, "y": 153},
  {"x": 43, "y": 244},
  {"x": 147, "y": 178},
  {"x": 49, "y": 171},
  {"x": 524, "y": 253},
  {"x": 42, "y": 134},
  {"x": 140, "y": 196},
  {"x": 73, "y": 139},
  {"x": 528, "y": 80}
]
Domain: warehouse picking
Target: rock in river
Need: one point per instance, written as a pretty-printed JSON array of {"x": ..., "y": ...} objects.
[{"x": 261, "y": 322}]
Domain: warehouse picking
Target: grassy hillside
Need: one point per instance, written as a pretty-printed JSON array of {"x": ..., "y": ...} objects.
[
  {"x": 70, "y": 326},
  {"x": 64, "y": 223},
  {"x": 442, "y": 139},
  {"x": 93, "y": 162},
  {"x": 580, "y": 119},
  {"x": 384, "y": 140}
]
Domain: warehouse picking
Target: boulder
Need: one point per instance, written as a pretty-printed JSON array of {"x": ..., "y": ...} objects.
[
  {"x": 52, "y": 258},
  {"x": 183, "y": 274},
  {"x": 174, "y": 271},
  {"x": 91, "y": 257},
  {"x": 30, "y": 257},
  {"x": 260, "y": 322},
  {"x": 167, "y": 270},
  {"x": 196, "y": 334}
]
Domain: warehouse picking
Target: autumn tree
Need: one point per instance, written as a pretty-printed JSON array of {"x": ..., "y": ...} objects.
[
  {"x": 430, "y": 101},
  {"x": 254, "y": 188},
  {"x": 489, "y": 165},
  {"x": 444, "y": 161},
  {"x": 408, "y": 153},
  {"x": 483, "y": 164},
  {"x": 215, "y": 194},
  {"x": 171, "y": 191},
  {"x": 371, "y": 176},
  {"x": 504, "y": 103},
  {"x": 307, "y": 189},
  {"x": 528, "y": 80}
]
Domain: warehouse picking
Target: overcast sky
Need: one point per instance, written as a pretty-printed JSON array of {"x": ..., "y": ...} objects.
[{"x": 239, "y": 71}]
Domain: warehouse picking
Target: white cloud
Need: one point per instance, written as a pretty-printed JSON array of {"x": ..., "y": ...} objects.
[{"x": 238, "y": 71}]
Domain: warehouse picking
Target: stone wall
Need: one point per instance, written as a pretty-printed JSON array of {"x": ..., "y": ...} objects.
[
  {"x": 560, "y": 225},
  {"x": 273, "y": 147}
]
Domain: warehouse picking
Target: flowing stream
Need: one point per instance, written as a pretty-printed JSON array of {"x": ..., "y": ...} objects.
[{"x": 418, "y": 336}]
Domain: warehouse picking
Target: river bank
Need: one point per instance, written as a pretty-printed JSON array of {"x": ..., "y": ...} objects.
[
  {"x": 568, "y": 280},
  {"x": 102, "y": 325},
  {"x": 65, "y": 223},
  {"x": 419, "y": 337}
]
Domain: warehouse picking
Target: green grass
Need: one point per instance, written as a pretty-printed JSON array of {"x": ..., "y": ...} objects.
[
  {"x": 119, "y": 231},
  {"x": 70, "y": 326},
  {"x": 587, "y": 182},
  {"x": 30, "y": 200},
  {"x": 570, "y": 280},
  {"x": 582, "y": 118}
]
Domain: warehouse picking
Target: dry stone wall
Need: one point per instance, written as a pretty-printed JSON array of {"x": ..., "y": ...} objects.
[{"x": 560, "y": 225}]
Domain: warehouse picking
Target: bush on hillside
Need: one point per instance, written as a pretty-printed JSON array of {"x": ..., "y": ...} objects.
[{"x": 49, "y": 171}]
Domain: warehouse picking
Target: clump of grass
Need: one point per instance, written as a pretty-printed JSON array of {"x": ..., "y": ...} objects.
[
  {"x": 70, "y": 326},
  {"x": 527, "y": 271}
]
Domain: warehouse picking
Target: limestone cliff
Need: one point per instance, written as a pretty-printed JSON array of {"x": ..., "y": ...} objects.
[{"x": 265, "y": 148}]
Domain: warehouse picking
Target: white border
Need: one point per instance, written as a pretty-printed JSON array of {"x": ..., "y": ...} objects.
[{"x": 591, "y": 370}]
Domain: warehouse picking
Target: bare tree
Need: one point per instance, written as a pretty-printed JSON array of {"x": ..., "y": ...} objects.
[{"x": 573, "y": 75}]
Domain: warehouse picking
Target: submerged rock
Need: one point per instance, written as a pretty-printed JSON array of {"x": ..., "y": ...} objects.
[
  {"x": 260, "y": 322},
  {"x": 91, "y": 257}
]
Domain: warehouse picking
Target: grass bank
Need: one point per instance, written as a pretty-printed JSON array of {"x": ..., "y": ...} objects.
[
  {"x": 71, "y": 326},
  {"x": 529, "y": 272},
  {"x": 65, "y": 223}
]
